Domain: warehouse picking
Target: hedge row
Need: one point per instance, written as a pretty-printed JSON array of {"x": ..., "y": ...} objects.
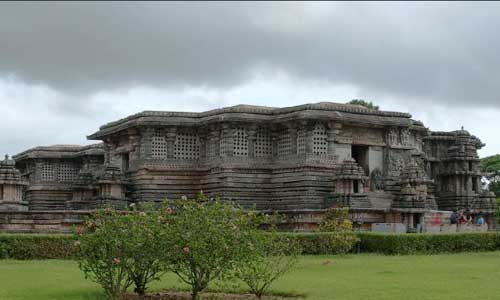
[
  {"x": 35, "y": 246},
  {"x": 428, "y": 243},
  {"x": 323, "y": 243}
]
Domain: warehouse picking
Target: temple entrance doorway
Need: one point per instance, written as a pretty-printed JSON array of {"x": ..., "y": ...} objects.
[{"x": 360, "y": 155}]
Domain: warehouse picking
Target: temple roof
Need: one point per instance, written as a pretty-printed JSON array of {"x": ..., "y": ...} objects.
[
  {"x": 249, "y": 113},
  {"x": 456, "y": 136},
  {"x": 60, "y": 151}
]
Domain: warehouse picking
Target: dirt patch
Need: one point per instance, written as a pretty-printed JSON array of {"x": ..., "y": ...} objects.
[{"x": 179, "y": 295}]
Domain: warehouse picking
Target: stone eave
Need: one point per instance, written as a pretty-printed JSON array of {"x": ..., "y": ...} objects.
[
  {"x": 60, "y": 151},
  {"x": 242, "y": 113}
]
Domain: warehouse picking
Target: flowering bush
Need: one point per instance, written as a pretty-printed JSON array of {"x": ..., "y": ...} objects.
[
  {"x": 206, "y": 240},
  {"x": 117, "y": 250},
  {"x": 101, "y": 252}
]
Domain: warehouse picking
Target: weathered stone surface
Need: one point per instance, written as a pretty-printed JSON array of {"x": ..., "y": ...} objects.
[{"x": 385, "y": 166}]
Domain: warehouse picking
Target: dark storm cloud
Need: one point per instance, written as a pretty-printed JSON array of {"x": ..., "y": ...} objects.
[{"x": 445, "y": 52}]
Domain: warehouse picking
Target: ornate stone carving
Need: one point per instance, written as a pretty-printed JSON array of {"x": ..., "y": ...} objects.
[
  {"x": 377, "y": 180},
  {"x": 405, "y": 136},
  {"x": 392, "y": 137}
]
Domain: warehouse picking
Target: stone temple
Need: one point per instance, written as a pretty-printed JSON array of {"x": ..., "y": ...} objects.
[{"x": 387, "y": 168}]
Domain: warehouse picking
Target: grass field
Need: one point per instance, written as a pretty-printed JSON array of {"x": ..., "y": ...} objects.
[{"x": 353, "y": 277}]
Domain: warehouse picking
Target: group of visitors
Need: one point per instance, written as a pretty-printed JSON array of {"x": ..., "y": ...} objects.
[{"x": 465, "y": 217}]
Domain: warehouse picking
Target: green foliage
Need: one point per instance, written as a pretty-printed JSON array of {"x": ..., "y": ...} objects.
[
  {"x": 118, "y": 249},
  {"x": 36, "y": 246},
  {"x": 364, "y": 103},
  {"x": 102, "y": 251},
  {"x": 498, "y": 211},
  {"x": 428, "y": 243},
  {"x": 323, "y": 243},
  {"x": 490, "y": 164},
  {"x": 206, "y": 240},
  {"x": 495, "y": 188},
  {"x": 271, "y": 257},
  {"x": 336, "y": 219},
  {"x": 144, "y": 247}
]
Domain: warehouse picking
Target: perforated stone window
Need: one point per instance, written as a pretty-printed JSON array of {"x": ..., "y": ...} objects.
[
  {"x": 263, "y": 143},
  {"x": 301, "y": 141},
  {"x": 284, "y": 142},
  {"x": 48, "y": 172},
  {"x": 67, "y": 172},
  {"x": 240, "y": 142},
  {"x": 159, "y": 144},
  {"x": 187, "y": 146},
  {"x": 320, "y": 145}
]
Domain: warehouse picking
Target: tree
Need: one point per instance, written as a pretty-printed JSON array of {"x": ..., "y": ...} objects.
[
  {"x": 364, "y": 103},
  {"x": 491, "y": 166},
  {"x": 206, "y": 240}
]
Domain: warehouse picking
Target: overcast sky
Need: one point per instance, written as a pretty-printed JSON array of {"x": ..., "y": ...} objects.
[{"x": 67, "y": 68}]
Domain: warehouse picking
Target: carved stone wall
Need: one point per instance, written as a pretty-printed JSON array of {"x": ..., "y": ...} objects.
[{"x": 272, "y": 158}]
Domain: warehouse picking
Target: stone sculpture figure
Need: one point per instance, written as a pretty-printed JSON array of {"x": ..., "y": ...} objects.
[{"x": 377, "y": 180}]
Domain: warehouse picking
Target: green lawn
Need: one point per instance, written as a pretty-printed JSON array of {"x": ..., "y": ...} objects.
[{"x": 353, "y": 277}]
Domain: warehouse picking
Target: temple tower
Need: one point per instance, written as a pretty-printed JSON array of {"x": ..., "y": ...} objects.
[
  {"x": 11, "y": 187},
  {"x": 349, "y": 185}
]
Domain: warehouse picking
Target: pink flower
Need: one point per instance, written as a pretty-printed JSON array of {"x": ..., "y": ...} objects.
[
  {"x": 169, "y": 210},
  {"x": 116, "y": 260},
  {"x": 186, "y": 250}
]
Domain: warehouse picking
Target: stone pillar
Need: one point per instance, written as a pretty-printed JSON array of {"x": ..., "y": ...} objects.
[
  {"x": 147, "y": 136},
  {"x": 410, "y": 221},
  {"x": 469, "y": 184},
  {"x": 252, "y": 137},
  {"x": 202, "y": 138},
  {"x": 214, "y": 140},
  {"x": 333, "y": 130},
  {"x": 135, "y": 153},
  {"x": 309, "y": 127},
  {"x": 171, "y": 135},
  {"x": 275, "y": 136},
  {"x": 458, "y": 185},
  {"x": 228, "y": 136}
]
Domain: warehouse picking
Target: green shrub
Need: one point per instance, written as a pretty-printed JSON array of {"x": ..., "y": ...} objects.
[
  {"x": 336, "y": 220},
  {"x": 428, "y": 243},
  {"x": 37, "y": 246},
  {"x": 272, "y": 256},
  {"x": 323, "y": 243}
]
